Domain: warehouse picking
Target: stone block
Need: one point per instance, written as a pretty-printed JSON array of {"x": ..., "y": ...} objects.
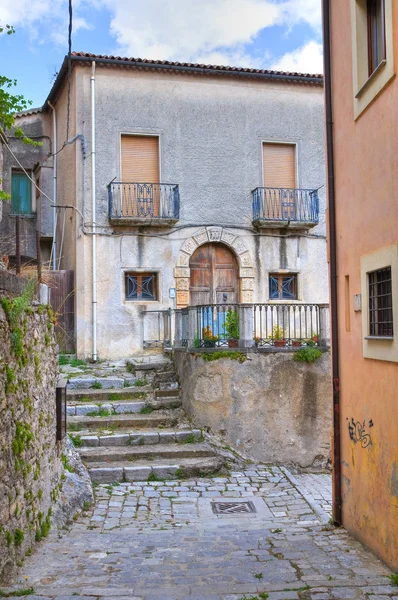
[
  {"x": 165, "y": 471},
  {"x": 144, "y": 439},
  {"x": 182, "y": 436},
  {"x": 137, "y": 473},
  {"x": 167, "y": 437},
  {"x": 86, "y": 409},
  {"x": 128, "y": 407},
  {"x": 115, "y": 440},
  {"x": 106, "y": 474},
  {"x": 71, "y": 411},
  {"x": 110, "y": 382},
  {"x": 90, "y": 440},
  {"x": 81, "y": 383}
]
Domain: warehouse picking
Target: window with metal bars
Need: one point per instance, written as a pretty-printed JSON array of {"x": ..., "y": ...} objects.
[
  {"x": 283, "y": 287},
  {"x": 141, "y": 286},
  {"x": 380, "y": 303},
  {"x": 376, "y": 34}
]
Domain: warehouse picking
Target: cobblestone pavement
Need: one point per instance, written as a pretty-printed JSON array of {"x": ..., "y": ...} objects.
[
  {"x": 163, "y": 541},
  {"x": 317, "y": 488}
]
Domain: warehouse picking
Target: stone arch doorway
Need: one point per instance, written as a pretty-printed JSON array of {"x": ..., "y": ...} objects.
[
  {"x": 228, "y": 238},
  {"x": 214, "y": 275}
]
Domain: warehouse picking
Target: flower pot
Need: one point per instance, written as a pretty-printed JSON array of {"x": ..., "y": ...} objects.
[
  {"x": 296, "y": 344},
  {"x": 279, "y": 343},
  {"x": 233, "y": 343}
]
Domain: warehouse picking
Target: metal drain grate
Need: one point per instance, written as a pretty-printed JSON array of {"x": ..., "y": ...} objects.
[{"x": 232, "y": 508}]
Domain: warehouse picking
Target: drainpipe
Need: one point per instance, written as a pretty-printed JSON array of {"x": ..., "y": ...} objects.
[
  {"x": 54, "y": 187},
  {"x": 332, "y": 265},
  {"x": 93, "y": 208}
]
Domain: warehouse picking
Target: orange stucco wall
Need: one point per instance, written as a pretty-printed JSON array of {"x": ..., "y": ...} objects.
[{"x": 366, "y": 170}]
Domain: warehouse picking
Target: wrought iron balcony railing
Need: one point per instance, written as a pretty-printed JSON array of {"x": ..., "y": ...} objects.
[
  {"x": 143, "y": 203},
  {"x": 282, "y": 206}
]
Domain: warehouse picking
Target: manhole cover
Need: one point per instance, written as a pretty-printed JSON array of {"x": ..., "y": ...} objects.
[{"x": 232, "y": 508}]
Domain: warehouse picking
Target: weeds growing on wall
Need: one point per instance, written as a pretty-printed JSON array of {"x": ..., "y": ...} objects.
[
  {"x": 308, "y": 355},
  {"x": 210, "y": 356}
]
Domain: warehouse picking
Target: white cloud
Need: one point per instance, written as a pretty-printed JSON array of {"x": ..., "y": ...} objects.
[
  {"x": 306, "y": 59},
  {"x": 208, "y": 31},
  {"x": 44, "y": 19}
]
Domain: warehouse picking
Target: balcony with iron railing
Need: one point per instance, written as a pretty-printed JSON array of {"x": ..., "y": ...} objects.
[
  {"x": 155, "y": 204},
  {"x": 284, "y": 207}
]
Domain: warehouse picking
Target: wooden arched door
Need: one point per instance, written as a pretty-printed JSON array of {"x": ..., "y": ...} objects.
[{"x": 214, "y": 276}]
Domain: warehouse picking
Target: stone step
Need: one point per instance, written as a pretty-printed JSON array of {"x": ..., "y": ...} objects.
[
  {"x": 165, "y": 403},
  {"x": 139, "y": 437},
  {"x": 152, "y": 420},
  {"x": 148, "y": 453},
  {"x": 102, "y": 472},
  {"x": 128, "y": 393},
  {"x": 149, "y": 364},
  {"x": 117, "y": 408},
  {"x": 167, "y": 393}
]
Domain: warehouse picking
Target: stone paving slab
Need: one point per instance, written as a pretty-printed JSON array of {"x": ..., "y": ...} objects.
[{"x": 160, "y": 540}]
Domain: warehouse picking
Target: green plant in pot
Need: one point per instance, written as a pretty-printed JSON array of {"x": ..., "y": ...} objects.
[
  {"x": 231, "y": 328},
  {"x": 278, "y": 335}
]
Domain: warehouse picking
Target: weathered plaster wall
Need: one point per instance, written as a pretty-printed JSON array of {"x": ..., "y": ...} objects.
[
  {"x": 211, "y": 130},
  {"x": 35, "y": 491},
  {"x": 270, "y": 408},
  {"x": 366, "y": 182},
  {"x": 38, "y": 161}
]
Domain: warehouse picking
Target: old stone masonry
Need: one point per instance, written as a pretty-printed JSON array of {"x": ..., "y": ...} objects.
[{"x": 165, "y": 525}]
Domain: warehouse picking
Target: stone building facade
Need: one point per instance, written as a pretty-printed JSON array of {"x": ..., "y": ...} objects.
[{"x": 189, "y": 169}]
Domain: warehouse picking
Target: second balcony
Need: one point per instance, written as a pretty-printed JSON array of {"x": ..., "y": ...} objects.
[
  {"x": 151, "y": 204},
  {"x": 283, "y": 207}
]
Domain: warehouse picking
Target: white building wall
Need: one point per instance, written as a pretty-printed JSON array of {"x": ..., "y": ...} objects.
[{"x": 211, "y": 130}]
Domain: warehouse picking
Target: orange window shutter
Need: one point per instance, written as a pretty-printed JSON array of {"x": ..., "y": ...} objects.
[
  {"x": 279, "y": 165},
  {"x": 140, "y": 159}
]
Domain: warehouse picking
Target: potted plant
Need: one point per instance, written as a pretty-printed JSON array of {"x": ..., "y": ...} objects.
[
  {"x": 279, "y": 339},
  {"x": 296, "y": 343},
  {"x": 231, "y": 328},
  {"x": 257, "y": 340},
  {"x": 208, "y": 338}
]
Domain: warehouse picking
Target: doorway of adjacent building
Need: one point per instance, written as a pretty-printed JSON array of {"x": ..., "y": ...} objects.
[{"x": 214, "y": 276}]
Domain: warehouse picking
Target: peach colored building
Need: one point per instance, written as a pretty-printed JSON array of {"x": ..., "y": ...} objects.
[{"x": 361, "y": 59}]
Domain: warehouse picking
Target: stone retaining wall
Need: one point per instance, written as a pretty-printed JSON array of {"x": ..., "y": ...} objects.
[
  {"x": 34, "y": 467},
  {"x": 270, "y": 408}
]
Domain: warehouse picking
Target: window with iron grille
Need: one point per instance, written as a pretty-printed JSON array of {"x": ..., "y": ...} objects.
[
  {"x": 283, "y": 287},
  {"x": 380, "y": 303},
  {"x": 376, "y": 34},
  {"x": 141, "y": 286}
]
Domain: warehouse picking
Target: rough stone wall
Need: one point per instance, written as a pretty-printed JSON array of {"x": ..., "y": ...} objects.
[
  {"x": 270, "y": 408},
  {"x": 30, "y": 458}
]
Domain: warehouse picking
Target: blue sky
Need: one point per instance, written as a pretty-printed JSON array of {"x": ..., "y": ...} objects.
[{"x": 280, "y": 34}]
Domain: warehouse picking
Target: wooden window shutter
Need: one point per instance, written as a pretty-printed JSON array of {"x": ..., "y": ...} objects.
[
  {"x": 140, "y": 159},
  {"x": 279, "y": 165}
]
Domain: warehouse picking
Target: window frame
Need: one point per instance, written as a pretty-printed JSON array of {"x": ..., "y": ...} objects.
[
  {"x": 371, "y": 7},
  {"x": 280, "y": 277},
  {"x": 31, "y": 213},
  {"x": 378, "y": 347},
  {"x": 140, "y": 274},
  {"x": 366, "y": 85},
  {"x": 376, "y": 313}
]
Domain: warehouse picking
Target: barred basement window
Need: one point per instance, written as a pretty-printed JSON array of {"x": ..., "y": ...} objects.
[
  {"x": 283, "y": 287},
  {"x": 380, "y": 303},
  {"x": 141, "y": 286}
]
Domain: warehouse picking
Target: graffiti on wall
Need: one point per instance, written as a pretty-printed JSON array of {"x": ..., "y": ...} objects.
[{"x": 358, "y": 434}]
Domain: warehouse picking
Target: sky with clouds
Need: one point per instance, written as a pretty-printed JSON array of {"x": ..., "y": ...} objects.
[{"x": 272, "y": 34}]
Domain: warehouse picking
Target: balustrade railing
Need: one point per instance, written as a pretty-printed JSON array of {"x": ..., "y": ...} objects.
[
  {"x": 285, "y": 205},
  {"x": 252, "y": 325}
]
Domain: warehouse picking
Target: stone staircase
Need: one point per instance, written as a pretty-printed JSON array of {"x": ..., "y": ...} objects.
[{"x": 128, "y": 424}]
